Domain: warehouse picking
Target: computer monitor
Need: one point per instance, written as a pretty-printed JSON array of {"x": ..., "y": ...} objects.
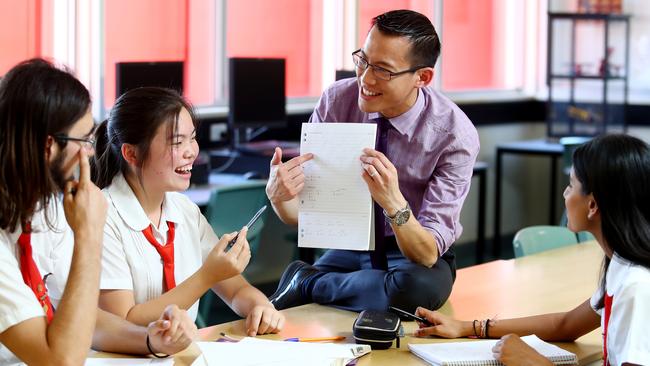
[
  {"x": 344, "y": 74},
  {"x": 166, "y": 74},
  {"x": 257, "y": 96}
]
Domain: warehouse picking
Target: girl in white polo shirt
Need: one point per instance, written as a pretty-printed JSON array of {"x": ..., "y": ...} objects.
[
  {"x": 609, "y": 196},
  {"x": 158, "y": 247}
]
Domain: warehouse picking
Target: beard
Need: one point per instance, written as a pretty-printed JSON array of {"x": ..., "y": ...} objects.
[{"x": 57, "y": 171}]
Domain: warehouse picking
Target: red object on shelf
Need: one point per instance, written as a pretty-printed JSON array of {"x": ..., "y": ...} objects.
[{"x": 600, "y": 6}]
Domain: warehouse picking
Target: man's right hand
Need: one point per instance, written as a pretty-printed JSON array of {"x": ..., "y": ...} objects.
[
  {"x": 173, "y": 332},
  {"x": 286, "y": 180},
  {"x": 84, "y": 203}
]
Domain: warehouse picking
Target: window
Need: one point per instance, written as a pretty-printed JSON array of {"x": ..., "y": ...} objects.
[
  {"x": 146, "y": 30},
  {"x": 163, "y": 30},
  {"x": 480, "y": 48},
  {"x": 290, "y": 29},
  {"x": 369, "y": 9},
  {"x": 25, "y": 31},
  {"x": 482, "y": 45},
  {"x": 483, "y": 41}
]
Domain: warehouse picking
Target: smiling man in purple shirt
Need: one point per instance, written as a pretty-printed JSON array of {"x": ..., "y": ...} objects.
[{"x": 418, "y": 175}]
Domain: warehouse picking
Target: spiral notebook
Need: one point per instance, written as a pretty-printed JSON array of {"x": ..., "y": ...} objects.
[{"x": 480, "y": 352}]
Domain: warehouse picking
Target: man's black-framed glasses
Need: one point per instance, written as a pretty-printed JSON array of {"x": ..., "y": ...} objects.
[
  {"x": 379, "y": 71},
  {"x": 88, "y": 143}
]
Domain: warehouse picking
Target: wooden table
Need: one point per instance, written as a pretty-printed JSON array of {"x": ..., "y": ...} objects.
[{"x": 552, "y": 281}]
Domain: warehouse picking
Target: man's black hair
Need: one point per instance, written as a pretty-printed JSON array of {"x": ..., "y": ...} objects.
[{"x": 425, "y": 44}]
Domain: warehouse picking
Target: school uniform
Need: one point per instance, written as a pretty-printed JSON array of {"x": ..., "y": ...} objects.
[
  {"x": 626, "y": 314},
  {"x": 51, "y": 252},
  {"x": 131, "y": 262}
]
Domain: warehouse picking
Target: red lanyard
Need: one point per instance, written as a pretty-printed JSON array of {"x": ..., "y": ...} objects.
[{"x": 31, "y": 274}]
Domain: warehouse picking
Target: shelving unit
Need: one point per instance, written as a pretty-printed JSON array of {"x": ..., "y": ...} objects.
[{"x": 575, "y": 115}]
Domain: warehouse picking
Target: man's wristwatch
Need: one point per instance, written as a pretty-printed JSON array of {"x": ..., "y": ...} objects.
[{"x": 401, "y": 216}]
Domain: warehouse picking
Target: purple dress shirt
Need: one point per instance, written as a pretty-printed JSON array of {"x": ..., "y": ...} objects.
[{"x": 433, "y": 146}]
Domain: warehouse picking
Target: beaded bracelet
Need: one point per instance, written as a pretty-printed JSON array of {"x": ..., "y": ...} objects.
[
  {"x": 487, "y": 328},
  {"x": 482, "y": 329},
  {"x": 474, "y": 328},
  {"x": 152, "y": 351}
]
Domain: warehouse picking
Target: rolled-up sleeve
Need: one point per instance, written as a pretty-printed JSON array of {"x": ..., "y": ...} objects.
[{"x": 446, "y": 192}]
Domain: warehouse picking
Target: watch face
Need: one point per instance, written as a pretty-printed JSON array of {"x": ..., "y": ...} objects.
[{"x": 402, "y": 216}]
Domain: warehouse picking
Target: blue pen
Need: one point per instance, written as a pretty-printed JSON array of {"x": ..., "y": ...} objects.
[
  {"x": 226, "y": 338},
  {"x": 319, "y": 339}
]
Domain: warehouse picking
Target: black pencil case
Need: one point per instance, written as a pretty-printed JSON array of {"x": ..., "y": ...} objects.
[{"x": 377, "y": 328}]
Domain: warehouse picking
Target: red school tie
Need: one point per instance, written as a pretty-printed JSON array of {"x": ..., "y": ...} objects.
[
  {"x": 31, "y": 274},
  {"x": 609, "y": 300},
  {"x": 166, "y": 253}
]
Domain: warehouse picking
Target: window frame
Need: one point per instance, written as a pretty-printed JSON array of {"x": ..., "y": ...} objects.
[{"x": 340, "y": 36}]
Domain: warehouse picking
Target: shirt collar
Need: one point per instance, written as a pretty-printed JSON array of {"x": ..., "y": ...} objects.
[
  {"x": 12, "y": 237},
  {"x": 406, "y": 122},
  {"x": 55, "y": 214},
  {"x": 128, "y": 207}
]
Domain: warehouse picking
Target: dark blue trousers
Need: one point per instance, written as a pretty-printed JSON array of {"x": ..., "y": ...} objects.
[{"x": 348, "y": 281}]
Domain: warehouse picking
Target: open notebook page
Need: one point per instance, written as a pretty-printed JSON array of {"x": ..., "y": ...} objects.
[
  {"x": 335, "y": 206},
  {"x": 480, "y": 352}
]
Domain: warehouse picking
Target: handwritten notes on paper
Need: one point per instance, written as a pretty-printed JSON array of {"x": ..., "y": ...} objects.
[{"x": 335, "y": 204}]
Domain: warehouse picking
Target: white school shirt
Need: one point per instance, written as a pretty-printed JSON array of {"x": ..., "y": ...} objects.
[
  {"x": 627, "y": 330},
  {"x": 130, "y": 262},
  {"x": 52, "y": 253}
]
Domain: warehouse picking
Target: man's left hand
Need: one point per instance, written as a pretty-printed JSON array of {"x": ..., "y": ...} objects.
[{"x": 381, "y": 177}]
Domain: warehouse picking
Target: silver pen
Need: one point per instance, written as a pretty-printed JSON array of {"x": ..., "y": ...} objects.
[{"x": 250, "y": 223}]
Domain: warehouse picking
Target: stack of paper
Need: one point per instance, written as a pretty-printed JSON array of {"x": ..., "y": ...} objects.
[{"x": 253, "y": 351}]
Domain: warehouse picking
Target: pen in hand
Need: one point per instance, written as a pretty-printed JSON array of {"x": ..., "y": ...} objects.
[
  {"x": 250, "y": 223},
  {"x": 406, "y": 314}
]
